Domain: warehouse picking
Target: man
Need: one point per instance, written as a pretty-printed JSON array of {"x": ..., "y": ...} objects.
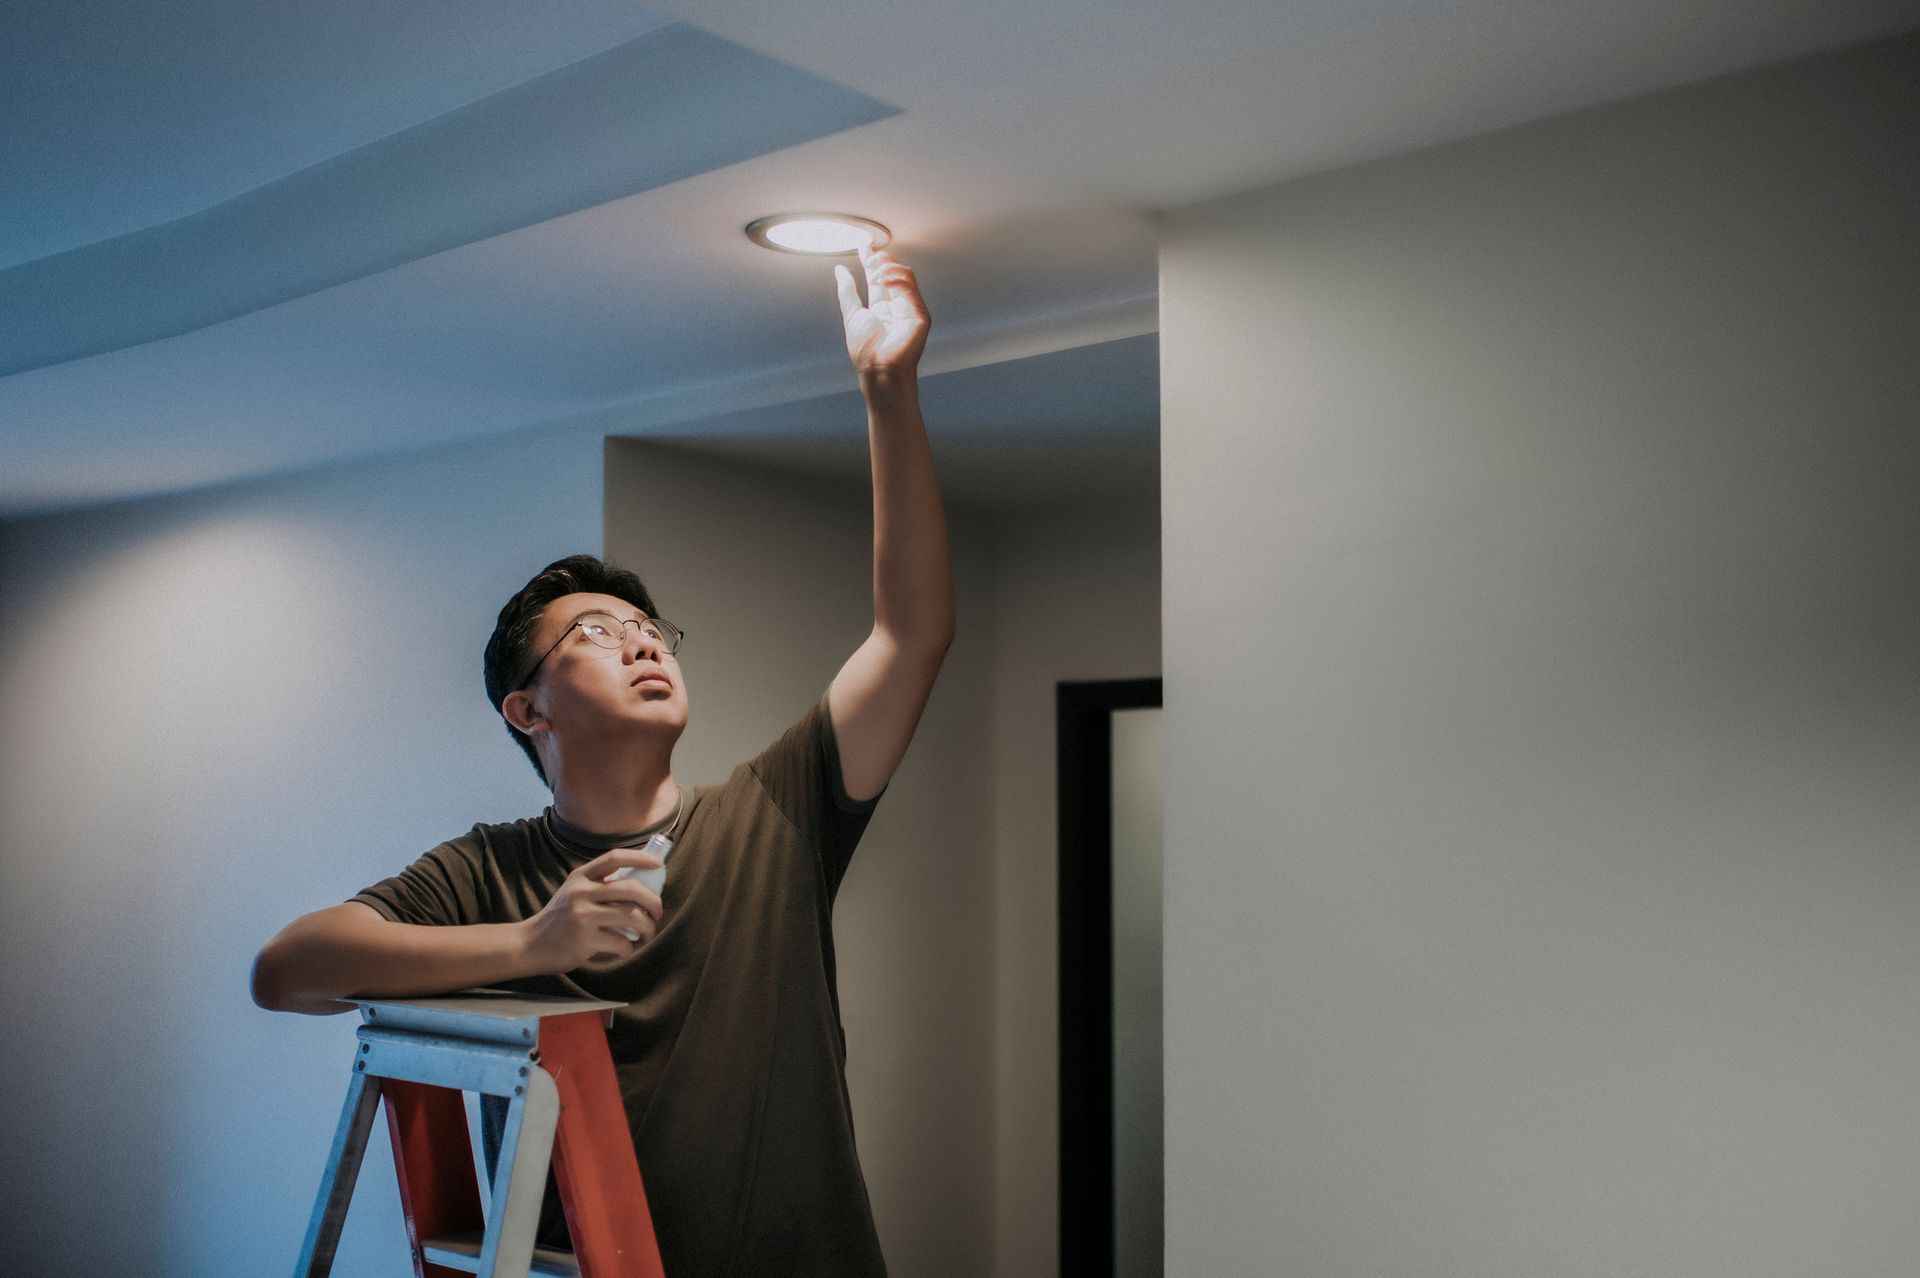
[{"x": 729, "y": 1051}]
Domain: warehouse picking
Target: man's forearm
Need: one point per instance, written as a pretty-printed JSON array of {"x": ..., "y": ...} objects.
[
  {"x": 912, "y": 572},
  {"x": 329, "y": 955}
]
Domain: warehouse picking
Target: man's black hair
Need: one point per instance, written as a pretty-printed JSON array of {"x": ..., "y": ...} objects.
[{"x": 510, "y": 648}]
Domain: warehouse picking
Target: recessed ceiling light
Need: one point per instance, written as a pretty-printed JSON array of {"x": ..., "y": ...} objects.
[{"x": 818, "y": 234}]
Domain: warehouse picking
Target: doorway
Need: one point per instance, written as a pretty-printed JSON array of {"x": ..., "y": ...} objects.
[{"x": 1111, "y": 1194}]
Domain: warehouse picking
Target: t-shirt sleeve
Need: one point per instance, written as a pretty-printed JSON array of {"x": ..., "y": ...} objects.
[
  {"x": 801, "y": 772},
  {"x": 443, "y": 887}
]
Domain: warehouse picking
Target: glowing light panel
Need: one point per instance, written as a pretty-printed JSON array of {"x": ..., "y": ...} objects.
[{"x": 818, "y": 233}]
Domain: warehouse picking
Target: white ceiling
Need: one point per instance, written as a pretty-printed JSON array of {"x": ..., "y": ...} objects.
[{"x": 239, "y": 238}]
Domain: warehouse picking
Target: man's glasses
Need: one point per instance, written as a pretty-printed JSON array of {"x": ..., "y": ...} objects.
[{"x": 610, "y": 632}]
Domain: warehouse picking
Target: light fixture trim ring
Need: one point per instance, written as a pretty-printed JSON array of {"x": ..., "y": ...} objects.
[{"x": 758, "y": 228}]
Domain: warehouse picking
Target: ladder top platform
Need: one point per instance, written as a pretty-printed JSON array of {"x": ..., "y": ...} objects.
[{"x": 505, "y": 1015}]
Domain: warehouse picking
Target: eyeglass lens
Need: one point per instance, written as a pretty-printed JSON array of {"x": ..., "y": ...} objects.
[{"x": 611, "y": 632}]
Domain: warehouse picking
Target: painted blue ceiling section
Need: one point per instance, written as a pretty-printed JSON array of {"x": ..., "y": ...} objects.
[
  {"x": 122, "y": 114},
  {"x": 668, "y": 105}
]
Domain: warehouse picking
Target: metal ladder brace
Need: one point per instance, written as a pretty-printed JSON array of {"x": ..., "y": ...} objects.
[{"x": 549, "y": 1057}]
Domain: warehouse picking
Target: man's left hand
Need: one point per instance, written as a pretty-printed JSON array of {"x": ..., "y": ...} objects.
[{"x": 884, "y": 337}]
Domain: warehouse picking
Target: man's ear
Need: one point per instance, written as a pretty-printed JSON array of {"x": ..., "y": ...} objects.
[{"x": 519, "y": 711}]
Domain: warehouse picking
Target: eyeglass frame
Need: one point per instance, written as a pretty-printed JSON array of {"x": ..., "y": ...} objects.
[{"x": 678, "y": 635}]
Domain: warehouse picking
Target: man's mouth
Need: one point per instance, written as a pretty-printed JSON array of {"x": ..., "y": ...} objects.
[{"x": 644, "y": 680}]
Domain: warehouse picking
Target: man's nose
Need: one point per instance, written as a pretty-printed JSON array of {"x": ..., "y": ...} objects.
[{"x": 639, "y": 641}]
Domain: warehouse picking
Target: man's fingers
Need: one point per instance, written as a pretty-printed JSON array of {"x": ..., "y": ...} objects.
[
  {"x": 849, "y": 295},
  {"x": 878, "y": 289},
  {"x": 626, "y": 892},
  {"x": 613, "y": 859},
  {"x": 907, "y": 288},
  {"x": 626, "y": 914},
  {"x": 619, "y": 890}
]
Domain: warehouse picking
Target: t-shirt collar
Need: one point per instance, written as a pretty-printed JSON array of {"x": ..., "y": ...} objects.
[{"x": 573, "y": 836}]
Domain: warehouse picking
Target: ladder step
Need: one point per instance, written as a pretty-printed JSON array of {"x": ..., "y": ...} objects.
[{"x": 462, "y": 1252}]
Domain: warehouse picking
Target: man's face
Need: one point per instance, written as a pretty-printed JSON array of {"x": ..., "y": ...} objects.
[{"x": 588, "y": 694}]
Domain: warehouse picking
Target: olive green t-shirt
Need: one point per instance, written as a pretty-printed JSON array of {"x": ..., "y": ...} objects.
[{"x": 729, "y": 1051}]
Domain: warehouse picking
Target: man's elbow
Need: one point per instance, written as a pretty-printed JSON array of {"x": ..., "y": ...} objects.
[
  {"x": 922, "y": 646},
  {"x": 264, "y": 984},
  {"x": 932, "y": 643},
  {"x": 273, "y": 988}
]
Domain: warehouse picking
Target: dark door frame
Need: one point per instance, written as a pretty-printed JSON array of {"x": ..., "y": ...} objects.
[{"x": 1084, "y": 741}]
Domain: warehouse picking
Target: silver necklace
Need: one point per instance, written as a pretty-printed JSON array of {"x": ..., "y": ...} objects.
[
  {"x": 667, "y": 833},
  {"x": 677, "y": 811}
]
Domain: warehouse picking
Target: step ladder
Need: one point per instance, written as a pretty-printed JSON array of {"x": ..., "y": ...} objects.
[{"x": 548, "y": 1056}]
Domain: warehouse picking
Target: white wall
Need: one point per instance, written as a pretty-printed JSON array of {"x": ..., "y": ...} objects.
[
  {"x": 225, "y": 709},
  {"x": 771, "y": 574},
  {"x": 1543, "y": 716},
  {"x": 1076, "y": 596}
]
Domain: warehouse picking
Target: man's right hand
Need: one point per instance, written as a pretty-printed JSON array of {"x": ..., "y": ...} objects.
[{"x": 579, "y": 926}]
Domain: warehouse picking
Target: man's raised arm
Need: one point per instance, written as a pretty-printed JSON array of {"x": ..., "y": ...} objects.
[{"x": 877, "y": 697}]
